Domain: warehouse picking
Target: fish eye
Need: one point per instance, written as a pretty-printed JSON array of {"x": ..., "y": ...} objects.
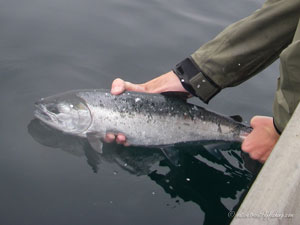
[{"x": 53, "y": 109}]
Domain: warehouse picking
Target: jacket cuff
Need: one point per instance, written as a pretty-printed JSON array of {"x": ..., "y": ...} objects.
[
  {"x": 276, "y": 128},
  {"x": 194, "y": 80}
]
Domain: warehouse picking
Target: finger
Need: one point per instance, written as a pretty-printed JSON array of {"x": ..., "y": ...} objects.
[
  {"x": 262, "y": 160},
  {"x": 259, "y": 120},
  {"x": 244, "y": 136},
  {"x": 265, "y": 157},
  {"x": 126, "y": 144},
  {"x": 134, "y": 87},
  {"x": 255, "y": 155},
  {"x": 253, "y": 121},
  {"x": 110, "y": 137},
  {"x": 118, "y": 86},
  {"x": 250, "y": 142},
  {"x": 246, "y": 145},
  {"x": 121, "y": 139}
]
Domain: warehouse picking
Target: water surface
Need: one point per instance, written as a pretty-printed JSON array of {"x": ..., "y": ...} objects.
[{"x": 53, "y": 46}]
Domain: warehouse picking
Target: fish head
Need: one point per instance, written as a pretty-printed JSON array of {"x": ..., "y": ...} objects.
[{"x": 66, "y": 112}]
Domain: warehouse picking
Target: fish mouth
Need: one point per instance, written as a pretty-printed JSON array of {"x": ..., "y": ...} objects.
[{"x": 43, "y": 114}]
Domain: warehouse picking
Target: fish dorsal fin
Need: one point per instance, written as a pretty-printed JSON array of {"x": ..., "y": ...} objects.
[
  {"x": 95, "y": 142},
  {"x": 237, "y": 118},
  {"x": 177, "y": 94}
]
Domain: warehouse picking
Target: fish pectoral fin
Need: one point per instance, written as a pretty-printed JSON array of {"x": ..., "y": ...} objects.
[
  {"x": 237, "y": 118},
  {"x": 95, "y": 142},
  {"x": 177, "y": 94},
  {"x": 171, "y": 154}
]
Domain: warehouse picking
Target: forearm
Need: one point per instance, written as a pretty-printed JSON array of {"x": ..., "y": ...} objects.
[
  {"x": 164, "y": 83},
  {"x": 244, "y": 48}
]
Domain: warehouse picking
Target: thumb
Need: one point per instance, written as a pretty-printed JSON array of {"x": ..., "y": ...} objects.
[
  {"x": 118, "y": 86},
  {"x": 255, "y": 121},
  {"x": 134, "y": 87}
]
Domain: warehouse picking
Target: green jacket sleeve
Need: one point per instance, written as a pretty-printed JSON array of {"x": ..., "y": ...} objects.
[
  {"x": 287, "y": 96},
  {"x": 241, "y": 50}
]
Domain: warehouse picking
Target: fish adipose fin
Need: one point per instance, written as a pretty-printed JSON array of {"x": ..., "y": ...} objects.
[
  {"x": 95, "y": 142},
  {"x": 177, "y": 94},
  {"x": 237, "y": 118}
]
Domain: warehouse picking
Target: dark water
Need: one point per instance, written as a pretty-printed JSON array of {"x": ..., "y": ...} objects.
[{"x": 47, "y": 47}]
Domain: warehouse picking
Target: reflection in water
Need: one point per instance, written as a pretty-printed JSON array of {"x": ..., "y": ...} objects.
[{"x": 205, "y": 173}]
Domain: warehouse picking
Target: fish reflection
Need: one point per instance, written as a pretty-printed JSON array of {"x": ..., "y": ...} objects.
[{"x": 205, "y": 173}]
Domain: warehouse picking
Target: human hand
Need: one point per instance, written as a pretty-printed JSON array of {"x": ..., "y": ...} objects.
[
  {"x": 260, "y": 142},
  {"x": 118, "y": 87},
  {"x": 163, "y": 83}
]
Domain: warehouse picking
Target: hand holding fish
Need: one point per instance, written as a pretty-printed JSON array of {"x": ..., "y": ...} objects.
[
  {"x": 163, "y": 83},
  {"x": 136, "y": 118},
  {"x": 260, "y": 142}
]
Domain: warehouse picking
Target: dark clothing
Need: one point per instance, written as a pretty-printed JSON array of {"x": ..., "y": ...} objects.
[
  {"x": 287, "y": 95},
  {"x": 245, "y": 48}
]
